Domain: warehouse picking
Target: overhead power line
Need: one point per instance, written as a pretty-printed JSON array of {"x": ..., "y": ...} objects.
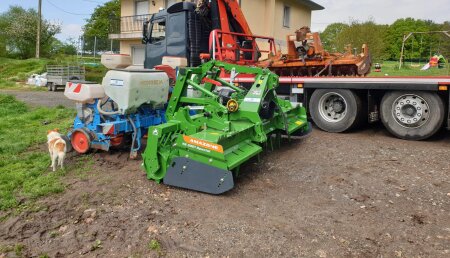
[
  {"x": 62, "y": 10},
  {"x": 92, "y": 1}
]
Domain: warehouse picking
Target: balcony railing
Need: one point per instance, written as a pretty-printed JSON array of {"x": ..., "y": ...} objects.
[{"x": 128, "y": 24}]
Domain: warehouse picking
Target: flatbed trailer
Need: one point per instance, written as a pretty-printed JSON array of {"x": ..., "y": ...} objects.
[{"x": 412, "y": 108}]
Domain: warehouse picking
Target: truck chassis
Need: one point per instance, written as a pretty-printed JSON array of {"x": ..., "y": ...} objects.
[{"x": 412, "y": 108}]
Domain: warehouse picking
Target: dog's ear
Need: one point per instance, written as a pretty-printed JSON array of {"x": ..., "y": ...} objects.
[
  {"x": 49, "y": 131},
  {"x": 56, "y": 129}
]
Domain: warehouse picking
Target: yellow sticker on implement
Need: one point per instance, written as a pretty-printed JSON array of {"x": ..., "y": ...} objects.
[{"x": 299, "y": 123}]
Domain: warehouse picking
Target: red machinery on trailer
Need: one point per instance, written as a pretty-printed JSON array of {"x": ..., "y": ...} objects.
[{"x": 410, "y": 107}]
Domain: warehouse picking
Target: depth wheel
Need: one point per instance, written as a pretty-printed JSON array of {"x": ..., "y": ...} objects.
[
  {"x": 335, "y": 110},
  {"x": 81, "y": 141},
  {"x": 412, "y": 115}
]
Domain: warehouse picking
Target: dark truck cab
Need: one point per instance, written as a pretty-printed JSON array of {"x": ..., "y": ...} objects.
[{"x": 176, "y": 31}]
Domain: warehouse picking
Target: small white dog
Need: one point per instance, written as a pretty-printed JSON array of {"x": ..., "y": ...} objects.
[{"x": 56, "y": 147}]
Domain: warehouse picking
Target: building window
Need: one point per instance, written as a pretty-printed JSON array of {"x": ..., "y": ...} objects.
[
  {"x": 286, "y": 16},
  {"x": 141, "y": 7}
]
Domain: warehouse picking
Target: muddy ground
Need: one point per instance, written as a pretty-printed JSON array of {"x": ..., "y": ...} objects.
[{"x": 360, "y": 194}]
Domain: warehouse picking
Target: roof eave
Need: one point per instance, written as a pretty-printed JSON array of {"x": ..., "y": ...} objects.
[{"x": 312, "y": 5}]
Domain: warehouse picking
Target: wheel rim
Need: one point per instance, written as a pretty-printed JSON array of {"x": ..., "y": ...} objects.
[
  {"x": 80, "y": 142},
  {"x": 332, "y": 107},
  {"x": 410, "y": 111}
]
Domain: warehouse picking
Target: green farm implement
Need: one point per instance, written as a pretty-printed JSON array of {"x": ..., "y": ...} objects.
[{"x": 213, "y": 127}]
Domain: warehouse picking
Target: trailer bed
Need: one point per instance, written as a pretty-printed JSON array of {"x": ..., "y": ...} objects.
[{"x": 388, "y": 83}]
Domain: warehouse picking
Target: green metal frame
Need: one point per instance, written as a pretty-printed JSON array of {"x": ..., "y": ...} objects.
[{"x": 241, "y": 134}]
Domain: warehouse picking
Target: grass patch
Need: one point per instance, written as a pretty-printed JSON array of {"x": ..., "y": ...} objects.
[
  {"x": 15, "y": 72},
  {"x": 96, "y": 245},
  {"x": 391, "y": 69},
  {"x": 19, "y": 70},
  {"x": 24, "y": 161},
  {"x": 95, "y": 74},
  {"x": 6, "y": 84},
  {"x": 17, "y": 249},
  {"x": 155, "y": 245}
]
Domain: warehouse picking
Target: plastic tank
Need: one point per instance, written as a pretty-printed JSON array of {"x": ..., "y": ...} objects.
[
  {"x": 116, "y": 61},
  {"x": 132, "y": 88},
  {"x": 84, "y": 92}
]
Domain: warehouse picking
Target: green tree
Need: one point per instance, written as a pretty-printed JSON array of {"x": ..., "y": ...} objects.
[
  {"x": 369, "y": 33},
  {"x": 100, "y": 24},
  {"x": 19, "y": 27},
  {"x": 418, "y": 46},
  {"x": 444, "y": 47},
  {"x": 330, "y": 34},
  {"x": 65, "y": 48},
  {"x": 3, "y": 25}
]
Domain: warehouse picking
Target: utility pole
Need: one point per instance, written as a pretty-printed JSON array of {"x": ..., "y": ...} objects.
[
  {"x": 82, "y": 45},
  {"x": 95, "y": 46},
  {"x": 38, "y": 36}
]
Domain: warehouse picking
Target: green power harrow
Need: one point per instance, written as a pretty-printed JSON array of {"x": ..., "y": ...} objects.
[{"x": 202, "y": 149}]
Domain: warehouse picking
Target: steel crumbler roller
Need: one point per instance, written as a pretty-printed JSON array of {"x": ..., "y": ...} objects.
[{"x": 231, "y": 125}]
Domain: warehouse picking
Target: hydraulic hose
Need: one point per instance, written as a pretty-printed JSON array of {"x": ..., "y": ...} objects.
[
  {"x": 103, "y": 112},
  {"x": 134, "y": 132}
]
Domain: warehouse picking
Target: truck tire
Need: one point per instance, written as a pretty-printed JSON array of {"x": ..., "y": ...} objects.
[
  {"x": 412, "y": 115},
  {"x": 54, "y": 87},
  {"x": 335, "y": 110},
  {"x": 49, "y": 86}
]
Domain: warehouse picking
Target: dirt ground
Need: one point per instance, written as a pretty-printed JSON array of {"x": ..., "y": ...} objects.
[{"x": 360, "y": 194}]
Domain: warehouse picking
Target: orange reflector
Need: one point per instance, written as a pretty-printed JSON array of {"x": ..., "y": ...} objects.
[
  {"x": 300, "y": 85},
  {"x": 443, "y": 87}
]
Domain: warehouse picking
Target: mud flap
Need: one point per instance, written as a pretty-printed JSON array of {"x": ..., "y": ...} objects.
[{"x": 190, "y": 174}]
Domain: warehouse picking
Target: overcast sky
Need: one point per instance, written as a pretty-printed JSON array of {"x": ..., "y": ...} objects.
[
  {"x": 72, "y": 13},
  {"x": 381, "y": 11}
]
